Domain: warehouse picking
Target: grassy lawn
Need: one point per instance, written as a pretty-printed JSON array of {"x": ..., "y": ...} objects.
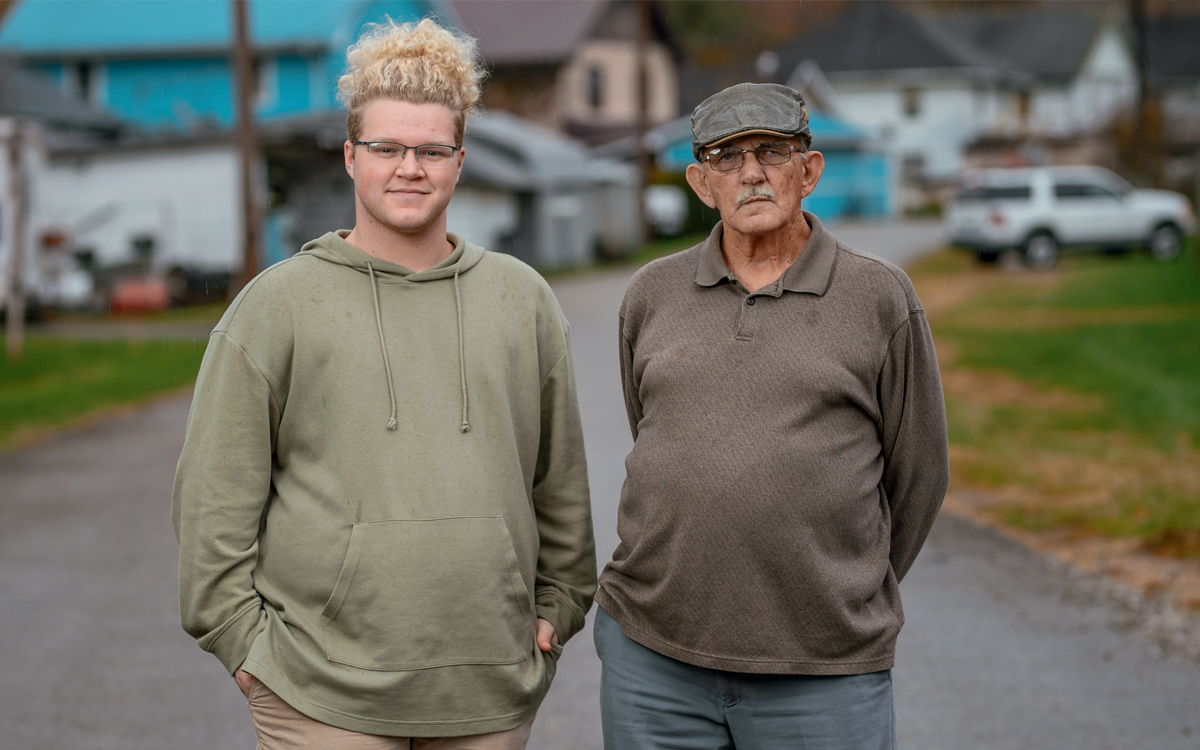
[
  {"x": 1074, "y": 396},
  {"x": 59, "y": 381}
]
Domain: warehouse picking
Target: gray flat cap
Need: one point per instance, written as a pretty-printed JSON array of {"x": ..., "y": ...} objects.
[{"x": 747, "y": 109}]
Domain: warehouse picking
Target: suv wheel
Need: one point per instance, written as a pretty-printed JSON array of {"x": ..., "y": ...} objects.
[
  {"x": 1165, "y": 242},
  {"x": 1041, "y": 250}
]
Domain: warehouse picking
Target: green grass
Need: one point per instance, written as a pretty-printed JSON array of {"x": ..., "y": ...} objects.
[
  {"x": 1123, "y": 335},
  {"x": 56, "y": 382},
  {"x": 1147, "y": 373}
]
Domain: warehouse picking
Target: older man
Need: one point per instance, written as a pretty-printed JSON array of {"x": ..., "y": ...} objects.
[{"x": 789, "y": 459}]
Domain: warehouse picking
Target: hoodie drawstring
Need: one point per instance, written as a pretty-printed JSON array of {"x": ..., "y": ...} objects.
[
  {"x": 387, "y": 365},
  {"x": 462, "y": 361}
]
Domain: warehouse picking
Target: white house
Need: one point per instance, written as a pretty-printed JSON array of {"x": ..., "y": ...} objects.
[{"x": 928, "y": 87}]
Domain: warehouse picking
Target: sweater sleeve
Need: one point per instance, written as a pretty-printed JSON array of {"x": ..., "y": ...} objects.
[
  {"x": 566, "y": 565},
  {"x": 916, "y": 461},
  {"x": 221, "y": 488},
  {"x": 629, "y": 384}
]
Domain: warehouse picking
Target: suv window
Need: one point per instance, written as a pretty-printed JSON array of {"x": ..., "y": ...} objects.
[
  {"x": 995, "y": 193},
  {"x": 1071, "y": 190}
]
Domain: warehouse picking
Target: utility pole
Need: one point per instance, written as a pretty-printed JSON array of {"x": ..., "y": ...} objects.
[
  {"x": 14, "y": 328},
  {"x": 643, "y": 115},
  {"x": 1148, "y": 136},
  {"x": 247, "y": 142}
]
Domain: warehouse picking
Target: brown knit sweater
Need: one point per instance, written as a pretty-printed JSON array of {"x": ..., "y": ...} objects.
[{"x": 789, "y": 459}]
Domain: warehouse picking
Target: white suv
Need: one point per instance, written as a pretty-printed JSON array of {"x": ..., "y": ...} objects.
[{"x": 1038, "y": 210}]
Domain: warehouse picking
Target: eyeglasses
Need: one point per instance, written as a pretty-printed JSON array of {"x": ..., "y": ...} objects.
[
  {"x": 431, "y": 155},
  {"x": 727, "y": 159}
]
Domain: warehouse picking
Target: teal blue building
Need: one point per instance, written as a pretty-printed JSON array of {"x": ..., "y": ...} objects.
[{"x": 165, "y": 65}]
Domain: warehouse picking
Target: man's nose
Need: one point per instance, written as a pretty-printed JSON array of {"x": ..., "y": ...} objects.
[
  {"x": 409, "y": 166},
  {"x": 751, "y": 170}
]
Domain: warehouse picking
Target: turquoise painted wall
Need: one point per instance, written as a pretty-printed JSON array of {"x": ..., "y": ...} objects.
[
  {"x": 169, "y": 93},
  {"x": 854, "y": 184},
  {"x": 181, "y": 92}
]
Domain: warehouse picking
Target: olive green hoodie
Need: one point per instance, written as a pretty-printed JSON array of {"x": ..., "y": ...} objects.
[{"x": 383, "y": 485}]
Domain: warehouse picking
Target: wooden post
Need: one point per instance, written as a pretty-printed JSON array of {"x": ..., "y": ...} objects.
[
  {"x": 14, "y": 328},
  {"x": 643, "y": 116},
  {"x": 247, "y": 143}
]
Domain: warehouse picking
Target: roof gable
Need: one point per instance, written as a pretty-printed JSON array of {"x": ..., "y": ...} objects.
[
  {"x": 1173, "y": 50},
  {"x": 878, "y": 37},
  {"x": 1051, "y": 44},
  {"x": 528, "y": 31},
  {"x": 116, "y": 28}
]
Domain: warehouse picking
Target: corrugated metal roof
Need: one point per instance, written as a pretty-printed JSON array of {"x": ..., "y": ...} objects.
[
  {"x": 29, "y": 95},
  {"x": 120, "y": 27}
]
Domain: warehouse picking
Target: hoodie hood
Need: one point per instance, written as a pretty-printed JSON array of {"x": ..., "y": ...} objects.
[{"x": 333, "y": 247}]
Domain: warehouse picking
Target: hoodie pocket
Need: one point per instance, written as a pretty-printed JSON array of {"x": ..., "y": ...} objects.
[{"x": 429, "y": 593}]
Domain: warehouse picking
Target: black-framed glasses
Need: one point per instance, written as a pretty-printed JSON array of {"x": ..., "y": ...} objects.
[
  {"x": 727, "y": 158},
  {"x": 431, "y": 155}
]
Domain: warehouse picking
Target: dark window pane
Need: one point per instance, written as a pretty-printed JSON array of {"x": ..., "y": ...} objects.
[{"x": 995, "y": 193}]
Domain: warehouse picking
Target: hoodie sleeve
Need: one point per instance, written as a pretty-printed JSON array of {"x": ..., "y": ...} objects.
[
  {"x": 221, "y": 488},
  {"x": 566, "y": 566}
]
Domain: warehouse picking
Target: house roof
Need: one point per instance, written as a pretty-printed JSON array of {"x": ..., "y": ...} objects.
[
  {"x": 876, "y": 38},
  {"x": 1050, "y": 43},
  {"x": 1173, "y": 51},
  {"x": 27, "y": 94},
  {"x": 527, "y": 31},
  {"x": 110, "y": 28}
]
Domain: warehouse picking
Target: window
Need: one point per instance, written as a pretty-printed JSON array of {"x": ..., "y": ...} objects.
[
  {"x": 595, "y": 87},
  {"x": 1081, "y": 190},
  {"x": 912, "y": 102},
  {"x": 84, "y": 81},
  {"x": 995, "y": 193}
]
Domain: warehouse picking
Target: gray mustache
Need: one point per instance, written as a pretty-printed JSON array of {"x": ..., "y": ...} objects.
[{"x": 755, "y": 191}]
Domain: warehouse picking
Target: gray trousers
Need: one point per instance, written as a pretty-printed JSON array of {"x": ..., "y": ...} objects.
[{"x": 653, "y": 702}]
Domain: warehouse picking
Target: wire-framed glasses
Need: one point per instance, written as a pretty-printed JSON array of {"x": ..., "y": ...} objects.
[
  {"x": 727, "y": 158},
  {"x": 431, "y": 155}
]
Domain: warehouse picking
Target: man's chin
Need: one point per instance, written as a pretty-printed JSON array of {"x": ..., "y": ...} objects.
[
  {"x": 407, "y": 223},
  {"x": 758, "y": 222}
]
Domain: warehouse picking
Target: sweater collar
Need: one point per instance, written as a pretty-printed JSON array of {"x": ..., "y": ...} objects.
[{"x": 810, "y": 273}]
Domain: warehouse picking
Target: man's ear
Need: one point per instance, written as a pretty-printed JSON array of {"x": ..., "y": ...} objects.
[
  {"x": 699, "y": 182},
  {"x": 348, "y": 152},
  {"x": 813, "y": 169}
]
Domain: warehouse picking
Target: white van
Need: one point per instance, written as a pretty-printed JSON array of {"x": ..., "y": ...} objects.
[{"x": 1038, "y": 210}]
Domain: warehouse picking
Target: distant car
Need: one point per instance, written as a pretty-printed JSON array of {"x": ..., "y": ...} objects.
[{"x": 1041, "y": 209}]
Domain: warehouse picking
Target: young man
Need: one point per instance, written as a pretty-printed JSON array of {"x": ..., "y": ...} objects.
[
  {"x": 382, "y": 503},
  {"x": 789, "y": 458}
]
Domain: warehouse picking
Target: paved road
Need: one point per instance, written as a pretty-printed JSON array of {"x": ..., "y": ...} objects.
[{"x": 994, "y": 656}]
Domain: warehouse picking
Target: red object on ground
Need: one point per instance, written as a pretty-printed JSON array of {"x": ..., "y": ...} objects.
[{"x": 140, "y": 294}]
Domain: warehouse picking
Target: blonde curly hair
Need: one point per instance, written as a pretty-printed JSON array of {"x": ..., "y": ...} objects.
[{"x": 422, "y": 63}]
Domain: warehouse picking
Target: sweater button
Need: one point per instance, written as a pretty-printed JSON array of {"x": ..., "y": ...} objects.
[{"x": 750, "y": 301}]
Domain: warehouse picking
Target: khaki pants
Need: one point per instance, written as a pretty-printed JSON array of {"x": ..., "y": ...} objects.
[{"x": 281, "y": 727}]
